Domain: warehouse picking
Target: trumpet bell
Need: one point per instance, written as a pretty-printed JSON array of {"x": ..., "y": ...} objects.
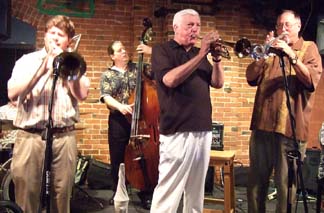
[{"x": 242, "y": 48}]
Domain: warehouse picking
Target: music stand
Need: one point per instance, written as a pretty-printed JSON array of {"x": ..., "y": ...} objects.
[
  {"x": 87, "y": 195},
  {"x": 9, "y": 206},
  {"x": 293, "y": 155}
]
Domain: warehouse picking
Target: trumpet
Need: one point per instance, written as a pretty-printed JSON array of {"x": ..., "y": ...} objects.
[
  {"x": 244, "y": 48},
  {"x": 222, "y": 51},
  {"x": 241, "y": 48},
  {"x": 70, "y": 65}
]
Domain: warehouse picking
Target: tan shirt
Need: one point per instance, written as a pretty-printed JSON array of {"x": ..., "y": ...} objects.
[
  {"x": 33, "y": 111},
  {"x": 270, "y": 111}
]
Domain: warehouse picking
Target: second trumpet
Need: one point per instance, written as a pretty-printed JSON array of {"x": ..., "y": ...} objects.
[{"x": 244, "y": 48}]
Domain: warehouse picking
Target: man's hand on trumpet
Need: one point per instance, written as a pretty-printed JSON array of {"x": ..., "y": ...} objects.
[
  {"x": 208, "y": 42},
  {"x": 270, "y": 37},
  {"x": 218, "y": 51},
  {"x": 281, "y": 43}
]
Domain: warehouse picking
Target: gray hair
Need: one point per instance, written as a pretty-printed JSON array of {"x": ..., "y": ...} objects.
[
  {"x": 178, "y": 16},
  {"x": 294, "y": 13}
]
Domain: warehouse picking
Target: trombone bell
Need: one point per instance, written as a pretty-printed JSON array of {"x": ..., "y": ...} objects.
[{"x": 70, "y": 65}]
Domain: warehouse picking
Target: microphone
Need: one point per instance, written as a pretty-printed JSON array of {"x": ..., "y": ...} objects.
[
  {"x": 69, "y": 65},
  {"x": 276, "y": 51},
  {"x": 57, "y": 62}
]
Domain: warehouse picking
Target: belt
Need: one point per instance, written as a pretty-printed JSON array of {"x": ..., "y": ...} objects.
[{"x": 54, "y": 130}]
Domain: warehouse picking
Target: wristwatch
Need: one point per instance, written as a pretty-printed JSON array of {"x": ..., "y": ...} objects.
[{"x": 293, "y": 61}]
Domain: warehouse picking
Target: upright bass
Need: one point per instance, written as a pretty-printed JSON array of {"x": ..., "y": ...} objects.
[{"x": 142, "y": 152}]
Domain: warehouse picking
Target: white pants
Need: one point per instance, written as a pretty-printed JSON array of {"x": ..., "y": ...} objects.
[{"x": 184, "y": 160}]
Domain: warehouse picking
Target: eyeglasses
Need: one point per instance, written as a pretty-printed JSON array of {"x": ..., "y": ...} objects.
[{"x": 287, "y": 25}]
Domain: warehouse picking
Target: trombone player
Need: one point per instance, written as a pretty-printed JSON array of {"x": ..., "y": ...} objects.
[
  {"x": 30, "y": 85},
  {"x": 272, "y": 134}
]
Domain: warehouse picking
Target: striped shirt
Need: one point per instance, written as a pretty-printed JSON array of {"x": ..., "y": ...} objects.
[{"x": 33, "y": 112}]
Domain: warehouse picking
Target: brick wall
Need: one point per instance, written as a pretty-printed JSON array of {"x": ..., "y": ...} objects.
[{"x": 122, "y": 20}]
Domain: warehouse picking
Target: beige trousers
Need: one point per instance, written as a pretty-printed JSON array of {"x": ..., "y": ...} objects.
[{"x": 27, "y": 167}]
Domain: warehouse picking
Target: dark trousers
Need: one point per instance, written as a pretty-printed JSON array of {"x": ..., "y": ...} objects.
[
  {"x": 268, "y": 155},
  {"x": 118, "y": 136}
]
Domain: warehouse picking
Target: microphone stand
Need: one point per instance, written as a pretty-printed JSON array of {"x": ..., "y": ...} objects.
[
  {"x": 47, "y": 135},
  {"x": 293, "y": 155}
]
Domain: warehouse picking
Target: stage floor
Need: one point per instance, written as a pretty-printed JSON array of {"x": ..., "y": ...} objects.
[{"x": 83, "y": 204}]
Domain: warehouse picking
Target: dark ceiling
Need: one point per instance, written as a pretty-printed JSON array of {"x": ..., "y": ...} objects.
[{"x": 265, "y": 12}]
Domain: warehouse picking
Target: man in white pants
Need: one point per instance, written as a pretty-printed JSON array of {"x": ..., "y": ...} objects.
[{"x": 184, "y": 76}]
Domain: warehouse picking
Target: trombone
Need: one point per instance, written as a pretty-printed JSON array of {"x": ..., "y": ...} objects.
[{"x": 69, "y": 64}]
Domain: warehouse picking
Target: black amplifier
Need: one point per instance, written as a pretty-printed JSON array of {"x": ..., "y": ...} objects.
[{"x": 217, "y": 139}]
